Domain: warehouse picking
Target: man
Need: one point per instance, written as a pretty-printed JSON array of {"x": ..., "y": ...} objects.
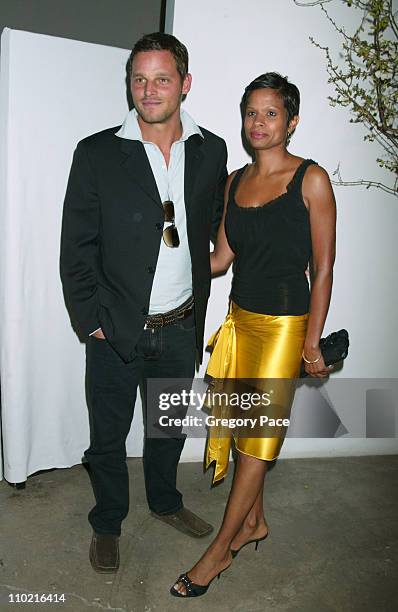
[{"x": 142, "y": 201}]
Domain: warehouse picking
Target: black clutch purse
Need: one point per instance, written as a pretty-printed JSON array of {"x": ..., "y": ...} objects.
[{"x": 334, "y": 348}]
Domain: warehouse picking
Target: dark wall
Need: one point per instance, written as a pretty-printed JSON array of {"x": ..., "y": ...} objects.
[{"x": 118, "y": 23}]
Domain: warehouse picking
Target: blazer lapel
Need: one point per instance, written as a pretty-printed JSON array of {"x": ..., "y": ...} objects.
[
  {"x": 193, "y": 162},
  {"x": 137, "y": 165}
]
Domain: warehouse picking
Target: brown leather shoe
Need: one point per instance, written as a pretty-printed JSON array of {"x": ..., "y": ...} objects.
[
  {"x": 186, "y": 521},
  {"x": 104, "y": 553}
]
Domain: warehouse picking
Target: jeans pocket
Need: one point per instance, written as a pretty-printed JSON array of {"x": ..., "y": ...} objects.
[{"x": 187, "y": 324}]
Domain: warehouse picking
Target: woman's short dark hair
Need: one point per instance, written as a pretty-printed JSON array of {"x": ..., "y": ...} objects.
[
  {"x": 287, "y": 91},
  {"x": 158, "y": 41}
]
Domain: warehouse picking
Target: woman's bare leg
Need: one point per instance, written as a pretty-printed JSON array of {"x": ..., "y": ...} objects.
[
  {"x": 254, "y": 526},
  {"x": 247, "y": 484}
]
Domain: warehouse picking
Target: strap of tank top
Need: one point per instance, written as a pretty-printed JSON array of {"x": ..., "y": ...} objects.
[
  {"x": 297, "y": 179},
  {"x": 235, "y": 182}
]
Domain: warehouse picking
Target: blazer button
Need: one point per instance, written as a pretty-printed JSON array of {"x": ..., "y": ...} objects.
[
  {"x": 159, "y": 226},
  {"x": 150, "y": 269}
]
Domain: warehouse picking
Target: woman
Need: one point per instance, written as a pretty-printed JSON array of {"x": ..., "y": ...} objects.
[{"x": 279, "y": 211}]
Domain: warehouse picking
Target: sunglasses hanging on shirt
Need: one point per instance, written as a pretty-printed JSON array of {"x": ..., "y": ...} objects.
[{"x": 170, "y": 233}]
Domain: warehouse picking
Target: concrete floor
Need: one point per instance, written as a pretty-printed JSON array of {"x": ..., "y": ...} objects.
[{"x": 332, "y": 546}]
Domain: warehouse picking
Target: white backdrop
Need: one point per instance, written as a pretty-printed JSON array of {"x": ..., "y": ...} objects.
[
  {"x": 230, "y": 43},
  {"x": 56, "y": 91},
  {"x": 53, "y": 93}
]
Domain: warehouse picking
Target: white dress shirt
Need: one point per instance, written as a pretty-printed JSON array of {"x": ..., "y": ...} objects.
[{"x": 172, "y": 283}]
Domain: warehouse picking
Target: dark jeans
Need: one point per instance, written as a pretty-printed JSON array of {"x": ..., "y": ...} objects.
[{"x": 111, "y": 387}]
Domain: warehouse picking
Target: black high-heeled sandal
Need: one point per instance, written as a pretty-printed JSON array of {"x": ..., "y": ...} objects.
[
  {"x": 191, "y": 589},
  {"x": 257, "y": 541}
]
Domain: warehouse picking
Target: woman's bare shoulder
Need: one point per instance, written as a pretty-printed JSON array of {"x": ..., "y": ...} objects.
[
  {"x": 316, "y": 173},
  {"x": 231, "y": 178},
  {"x": 316, "y": 185},
  {"x": 233, "y": 174}
]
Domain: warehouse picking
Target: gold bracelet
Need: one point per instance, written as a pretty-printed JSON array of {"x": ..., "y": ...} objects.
[{"x": 316, "y": 360}]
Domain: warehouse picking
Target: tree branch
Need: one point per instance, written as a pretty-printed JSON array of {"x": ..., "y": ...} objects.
[
  {"x": 367, "y": 184},
  {"x": 341, "y": 77},
  {"x": 366, "y": 82},
  {"x": 311, "y": 3},
  {"x": 393, "y": 23},
  {"x": 376, "y": 81}
]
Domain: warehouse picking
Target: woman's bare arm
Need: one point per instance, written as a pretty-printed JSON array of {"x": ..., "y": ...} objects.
[
  {"x": 319, "y": 197},
  {"x": 222, "y": 255}
]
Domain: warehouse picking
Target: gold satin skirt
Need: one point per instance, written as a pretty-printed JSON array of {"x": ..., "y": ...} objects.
[{"x": 249, "y": 345}]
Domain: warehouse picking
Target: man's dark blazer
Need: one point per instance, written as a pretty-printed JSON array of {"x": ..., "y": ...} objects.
[{"x": 112, "y": 227}]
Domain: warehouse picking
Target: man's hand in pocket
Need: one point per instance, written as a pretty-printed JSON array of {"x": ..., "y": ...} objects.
[{"x": 99, "y": 334}]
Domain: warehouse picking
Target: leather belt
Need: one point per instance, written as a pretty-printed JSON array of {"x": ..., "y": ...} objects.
[{"x": 168, "y": 318}]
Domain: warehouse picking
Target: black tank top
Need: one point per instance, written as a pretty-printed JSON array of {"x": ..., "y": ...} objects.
[{"x": 272, "y": 246}]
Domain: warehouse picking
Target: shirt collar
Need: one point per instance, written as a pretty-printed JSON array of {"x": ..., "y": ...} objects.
[{"x": 131, "y": 128}]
